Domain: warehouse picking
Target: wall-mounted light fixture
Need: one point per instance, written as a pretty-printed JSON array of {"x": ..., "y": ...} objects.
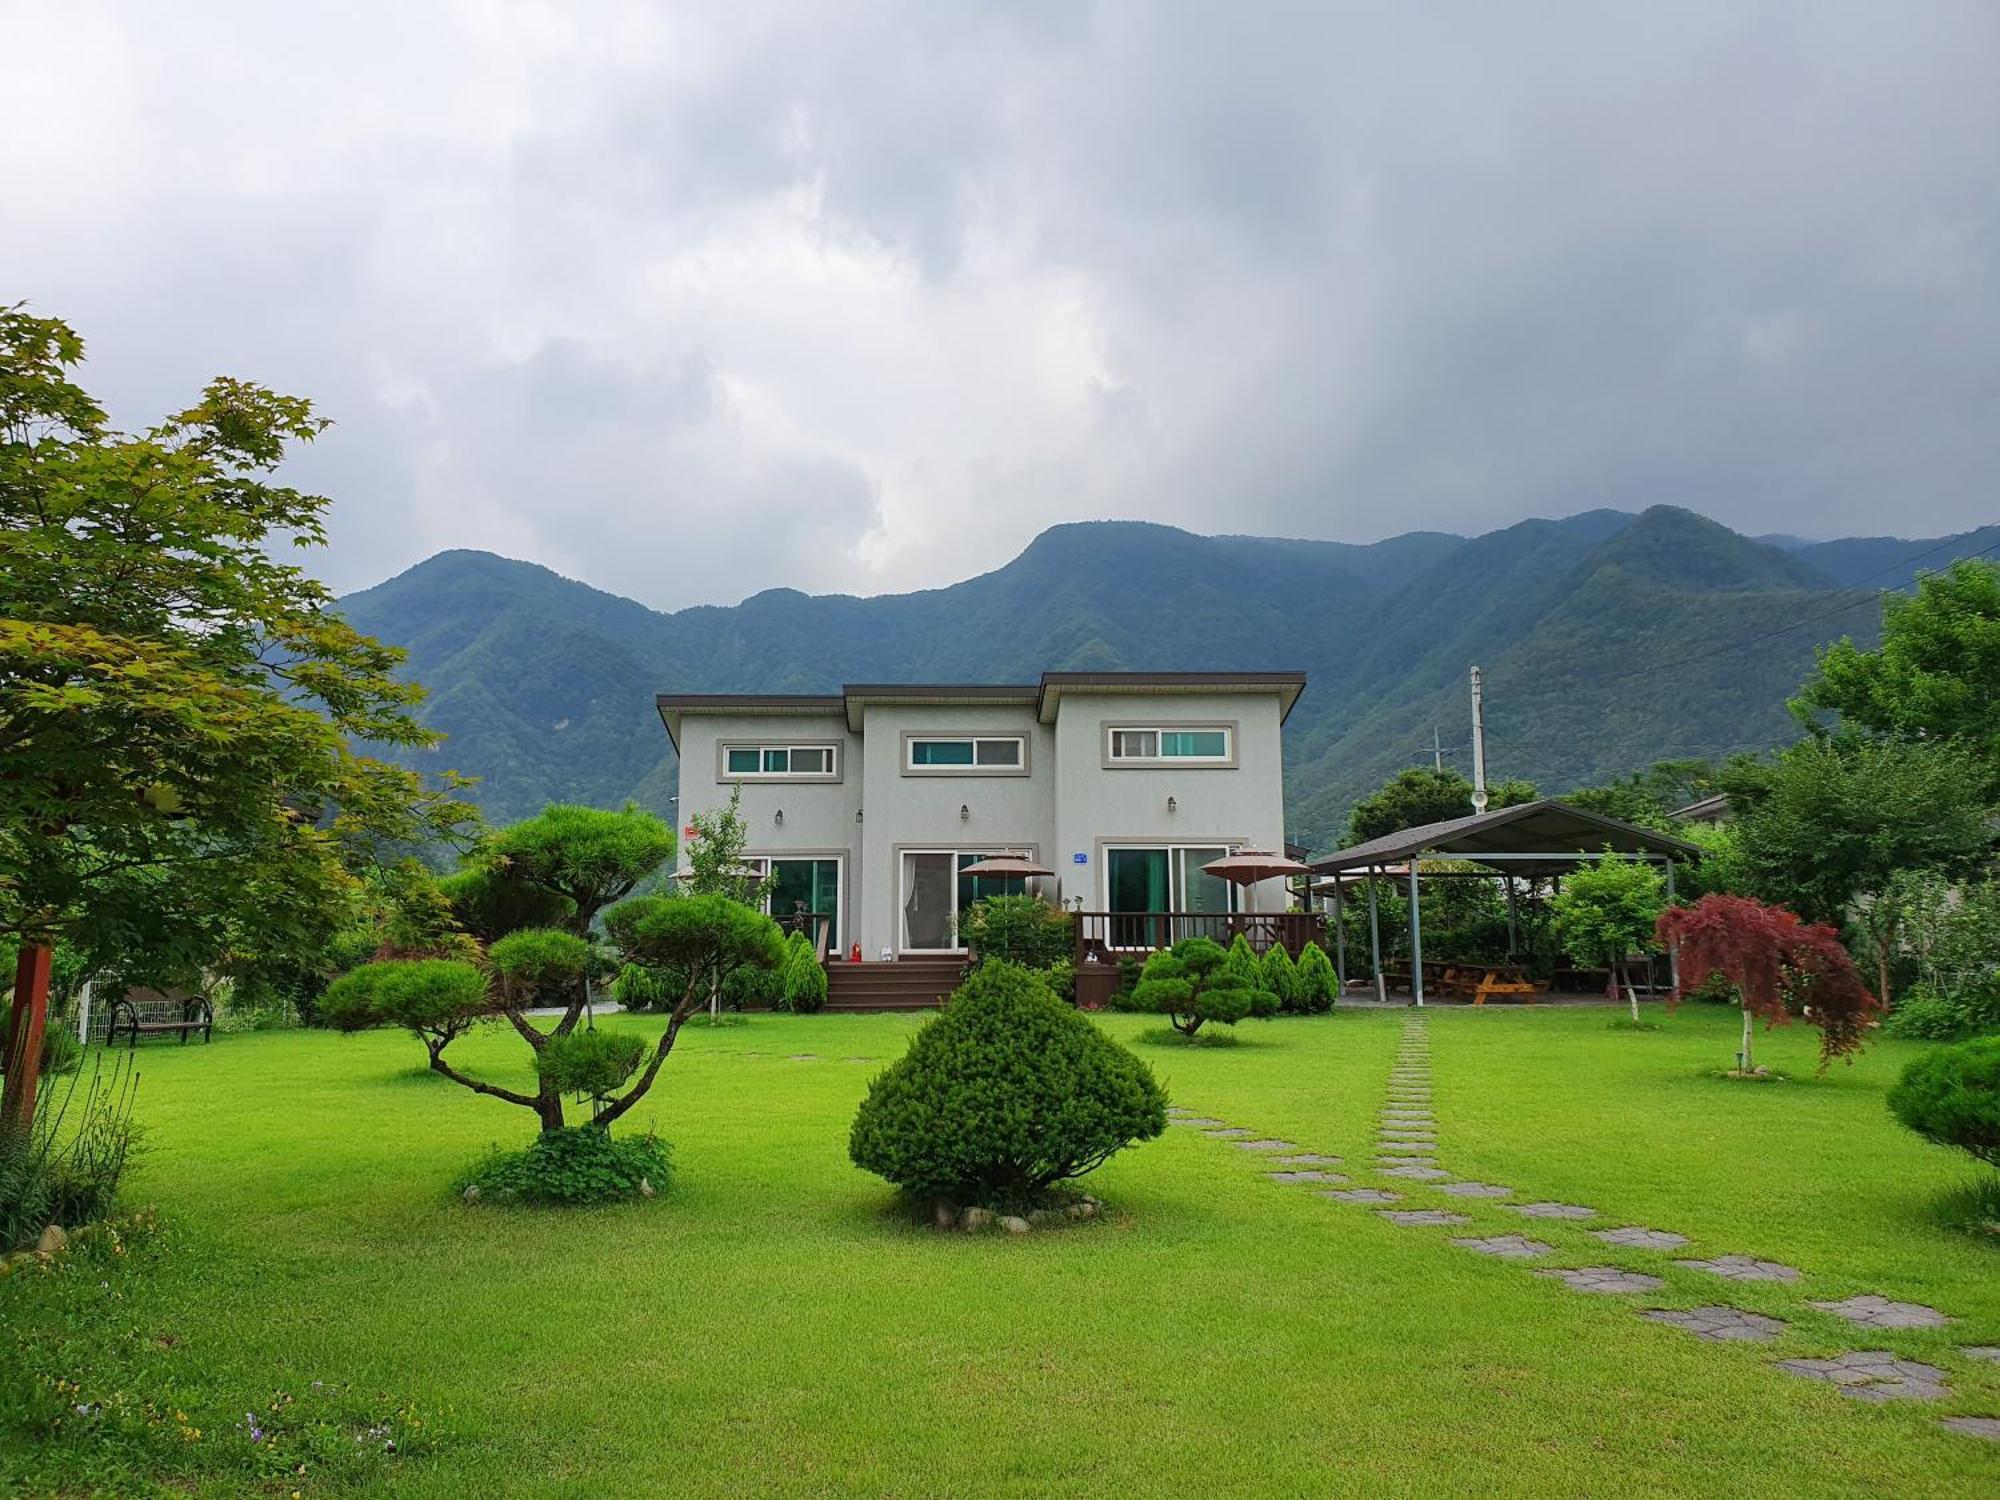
[
  {"x": 778, "y": 817},
  {"x": 1172, "y": 805},
  {"x": 857, "y": 815},
  {"x": 964, "y": 813}
]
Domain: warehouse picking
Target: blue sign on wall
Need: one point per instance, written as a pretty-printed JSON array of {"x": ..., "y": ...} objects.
[{"x": 1080, "y": 859}]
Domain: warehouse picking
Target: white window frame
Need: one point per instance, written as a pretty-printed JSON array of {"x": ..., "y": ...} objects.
[
  {"x": 1159, "y": 730},
  {"x": 764, "y": 747},
  {"x": 1016, "y": 767}
]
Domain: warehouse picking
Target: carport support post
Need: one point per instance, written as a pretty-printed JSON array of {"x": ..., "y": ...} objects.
[
  {"x": 1513, "y": 942},
  {"x": 1416, "y": 938},
  {"x": 1375, "y": 941},
  {"x": 1673, "y": 949},
  {"x": 1339, "y": 933}
]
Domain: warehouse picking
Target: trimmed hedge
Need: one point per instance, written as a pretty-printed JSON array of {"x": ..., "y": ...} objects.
[
  {"x": 1951, "y": 1095},
  {"x": 1007, "y": 1092}
]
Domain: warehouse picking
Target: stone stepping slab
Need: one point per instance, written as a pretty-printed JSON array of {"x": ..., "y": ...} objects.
[
  {"x": 1408, "y": 1116},
  {"x": 1201, "y": 1120},
  {"x": 1722, "y": 1324},
  {"x": 1979, "y": 1427},
  {"x": 804, "y": 1057},
  {"x": 1229, "y": 1133},
  {"x": 1411, "y": 1217},
  {"x": 1507, "y": 1247},
  {"x": 1638, "y": 1237},
  {"x": 1988, "y": 1352},
  {"x": 1606, "y": 1280},
  {"x": 1554, "y": 1210},
  {"x": 1309, "y": 1159},
  {"x": 1476, "y": 1190},
  {"x": 1743, "y": 1268},
  {"x": 1415, "y": 1172},
  {"x": 1266, "y": 1145},
  {"x": 1409, "y": 1148},
  {"x": 1879, "y": 1312},
  {"x": 1365, "y": 1195},
  {"x": 1873, "y": 1375},
  {"x": 1309, "y": 1175}
]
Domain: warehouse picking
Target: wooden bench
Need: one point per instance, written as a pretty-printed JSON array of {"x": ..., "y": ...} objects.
[{"x": 195, "y": 1015}]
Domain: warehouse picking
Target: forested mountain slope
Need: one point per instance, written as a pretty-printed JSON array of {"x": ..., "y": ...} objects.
[{"x": 1608, "y": 641}]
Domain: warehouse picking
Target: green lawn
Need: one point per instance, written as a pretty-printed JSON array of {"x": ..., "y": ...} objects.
[{"x": 769, "y": 1327}]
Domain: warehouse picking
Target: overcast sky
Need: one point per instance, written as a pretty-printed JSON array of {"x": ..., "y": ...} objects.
[{"x": 691, "y": 301}]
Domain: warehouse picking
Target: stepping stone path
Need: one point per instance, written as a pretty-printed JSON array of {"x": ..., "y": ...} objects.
[
  {"x": 805, "y": 1057},
  {"x": 1229, "y": 1133},
  {"x": 1554, "y": 1210},
  {"x": 1879, "y": 1312},
  {"x": 1507, "y": 1247},
  {"x": 1873, "y": 1375},
  {"x": 1605, "y": 1279},
  {"x": 1309, "y": 1175},
  {"x": 1414, "y": 1216},
  {"x": 1980, "y": 1427},
  {"x": 1722, "y": 1324},
  {"x": 1476, "y": 1190},
  {"x": 1309, "y": 1159},
  {"x": 1636, "y": 1237},
  {"x": 1415, "y": 1172},
  {"x": 1365, "y": 1195},
  {"x": 1266, "y": 1145},
  {"x": 1743, "y": 1268},
  {"x": 1988, "y": 1352},
  {"x": 1409, "y": 1148},
  {"x": 1200, "y": 1120}
]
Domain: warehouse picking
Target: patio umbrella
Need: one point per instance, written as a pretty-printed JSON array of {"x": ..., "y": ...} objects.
[
  {"x": 1017, "y": 865},
  {"x": 1248, "y": 866}
]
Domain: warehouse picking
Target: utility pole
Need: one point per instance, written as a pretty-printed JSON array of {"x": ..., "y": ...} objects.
[
  {"x": 1478, "y": 743},
  {"x": 1437, "y": 750}
]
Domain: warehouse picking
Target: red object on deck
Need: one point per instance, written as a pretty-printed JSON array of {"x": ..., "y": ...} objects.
[{"x": 854, "y": 954}]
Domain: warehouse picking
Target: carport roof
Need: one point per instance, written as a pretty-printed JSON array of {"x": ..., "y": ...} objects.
[{"x": 1533, "y": 838}]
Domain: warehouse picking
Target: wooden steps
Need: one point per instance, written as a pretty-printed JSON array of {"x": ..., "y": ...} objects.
[{"x": 903, "y": 984}]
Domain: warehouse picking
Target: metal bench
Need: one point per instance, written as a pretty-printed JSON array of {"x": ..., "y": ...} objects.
[{"x": 195, "y": 1015}]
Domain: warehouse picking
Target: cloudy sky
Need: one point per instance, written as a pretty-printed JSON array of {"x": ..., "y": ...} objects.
[{"x": 689, "y": 301}]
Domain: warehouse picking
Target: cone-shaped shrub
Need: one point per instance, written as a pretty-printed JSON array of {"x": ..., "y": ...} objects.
[
  {"x": 1318, "y": 982},
  {"x": 1281, "y": 977},
  {"x": 1242, "y": 961},
  {"x": 803, "y": 977},
  {"x": 1005, "y": 1093}
]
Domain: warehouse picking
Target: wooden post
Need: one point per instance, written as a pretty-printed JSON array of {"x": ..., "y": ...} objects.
[
  {"x": 1674, "y": 948},
  {"x": 1416, "y": 939},
  {"x": 24, "y": 1037},
  {"x": 1513, "y": 938}
]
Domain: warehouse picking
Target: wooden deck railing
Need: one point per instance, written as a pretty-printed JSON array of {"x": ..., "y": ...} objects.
[{"x": 1102, "y": 935}]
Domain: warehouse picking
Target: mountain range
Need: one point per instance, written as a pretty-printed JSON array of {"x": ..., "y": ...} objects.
[{"x": 1607, "y": 641}]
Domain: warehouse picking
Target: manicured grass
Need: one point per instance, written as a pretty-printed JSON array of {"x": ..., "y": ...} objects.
[{"x": 772, "y": 1326}]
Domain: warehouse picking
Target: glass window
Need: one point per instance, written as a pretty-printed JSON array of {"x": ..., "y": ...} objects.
[
  {"x": 1210, "y": 744},
  {"x": 1135, "y": 744},
  {"x": 777, "y": 762},
  {"x": 742, "y": 760},
  {"x": 812, "y": 760},
  {"x": 999, "y": 752},
  {"x": 805, "y": 886},
  {"x": 940, "y": 752}
]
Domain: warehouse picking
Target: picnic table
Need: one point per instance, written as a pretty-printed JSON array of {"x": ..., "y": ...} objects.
[{"x": 1480, "y": 982}]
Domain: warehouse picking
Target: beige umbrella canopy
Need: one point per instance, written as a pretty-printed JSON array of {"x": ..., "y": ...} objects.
[
  {"x": 1249, "y": 866},
  {"x": 1005, "y": 865}
]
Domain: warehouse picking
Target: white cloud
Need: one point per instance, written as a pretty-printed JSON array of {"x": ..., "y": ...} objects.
[{"x": 692, "y": 302}]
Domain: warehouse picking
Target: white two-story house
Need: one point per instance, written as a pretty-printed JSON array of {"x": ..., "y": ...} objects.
[{"x": 865, "y": 805}]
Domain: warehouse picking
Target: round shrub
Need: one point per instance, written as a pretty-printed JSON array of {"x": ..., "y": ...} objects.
[
  {"x": 1921, "y": 1017},
  {"x": 579, "y": 1165},
  {"x": 1007, "y": 1092},
  {"x": 1951, "y": 1095},
  {"x": 1022, "y": 930}
]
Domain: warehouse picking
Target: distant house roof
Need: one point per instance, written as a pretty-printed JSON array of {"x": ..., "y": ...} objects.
[
  {"x": 1710, "y": 809},
  {"x": 1045, "y": 696},
  {"x": 1565, "y": 835}
]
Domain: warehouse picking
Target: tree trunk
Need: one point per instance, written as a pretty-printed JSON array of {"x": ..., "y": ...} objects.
[
  {"x": 1631, "y": 995},
  {"x": 549, "y": 1106},
  {"x": 1743, "y": 1058},
  {"x": 24, "y": 1038}
]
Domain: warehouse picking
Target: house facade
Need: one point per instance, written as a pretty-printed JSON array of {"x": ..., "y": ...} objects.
[{"x": 865, "y": 805}]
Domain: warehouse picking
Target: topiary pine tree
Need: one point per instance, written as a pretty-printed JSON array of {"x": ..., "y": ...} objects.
[
  {"x": 1951, "y": 1095},
  {"x": 1194, "y": 982},
  {"x": 1281, "y": 978},
  {"x": 1006, "y": 1093}
]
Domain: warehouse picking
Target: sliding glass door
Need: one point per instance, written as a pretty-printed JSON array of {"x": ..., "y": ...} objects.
[
  {"x": 936, "y": 894},
  {"x": 1146, "y": 882},
  {"x": 801, "y": 888}
]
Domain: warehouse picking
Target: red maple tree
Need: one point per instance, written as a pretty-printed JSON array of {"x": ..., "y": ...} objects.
[{"x": 1772, "y": 957}]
